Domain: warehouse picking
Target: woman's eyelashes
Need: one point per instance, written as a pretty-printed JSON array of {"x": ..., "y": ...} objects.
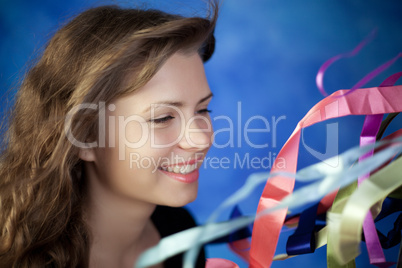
[
  {"x": 161, "y": 120},
  {"x": 204, "y": 111},
  {"x": 166, "y": 119}
]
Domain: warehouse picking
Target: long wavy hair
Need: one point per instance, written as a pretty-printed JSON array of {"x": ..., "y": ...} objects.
[{"x": 42, "y": 181}]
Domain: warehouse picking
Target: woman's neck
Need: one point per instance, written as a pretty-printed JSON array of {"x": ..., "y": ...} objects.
[{"x": 121, "y": 228}]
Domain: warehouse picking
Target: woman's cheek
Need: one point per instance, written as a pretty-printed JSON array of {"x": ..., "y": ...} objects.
[
  {"x": 167, "y": 136},
  {"x": 134, "y": 133}
]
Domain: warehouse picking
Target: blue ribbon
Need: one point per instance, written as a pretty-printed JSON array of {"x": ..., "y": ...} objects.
[{"x": 303, "y": 239}]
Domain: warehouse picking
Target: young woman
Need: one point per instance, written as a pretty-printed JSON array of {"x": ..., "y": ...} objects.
[{"x": 105, "y": 139}]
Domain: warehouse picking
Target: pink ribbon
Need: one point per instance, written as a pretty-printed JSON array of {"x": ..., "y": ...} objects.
[
  {"x": 365, "y": 101},
  {"x": 371, "y": 126},
  {"x": 220, "y": 263}
]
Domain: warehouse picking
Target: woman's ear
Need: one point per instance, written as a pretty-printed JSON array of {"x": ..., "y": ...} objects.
[{"x": 87, "y": 154}]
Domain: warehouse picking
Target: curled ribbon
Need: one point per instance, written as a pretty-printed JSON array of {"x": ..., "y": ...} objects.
[
  {"x": 320, "y": 74},
  {"x": 324, "y": 180},
  {"x": 367, "y": 101},
  {"x": 369, "y": 133},
  {"x": 266, "y": 232}
]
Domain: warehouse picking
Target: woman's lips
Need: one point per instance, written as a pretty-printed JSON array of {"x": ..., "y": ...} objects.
[{"x": 186, "y": 178}]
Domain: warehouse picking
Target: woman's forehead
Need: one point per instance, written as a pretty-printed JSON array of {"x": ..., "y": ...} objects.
[{"x": 181, "y": 79}]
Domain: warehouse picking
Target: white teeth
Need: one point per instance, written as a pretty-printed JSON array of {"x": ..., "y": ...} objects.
[{"x": 185, "y": 169}]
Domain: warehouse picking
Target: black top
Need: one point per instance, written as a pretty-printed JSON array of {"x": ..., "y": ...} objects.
[{"x": 169, "y": 220}]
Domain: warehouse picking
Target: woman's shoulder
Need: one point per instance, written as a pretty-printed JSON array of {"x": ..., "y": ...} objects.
[{"x": 170, "y": 220}]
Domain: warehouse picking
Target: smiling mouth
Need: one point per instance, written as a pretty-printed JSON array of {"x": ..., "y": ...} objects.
[
  {"x": 183, "y": 169},
  {"x": 186, "y": 173}
]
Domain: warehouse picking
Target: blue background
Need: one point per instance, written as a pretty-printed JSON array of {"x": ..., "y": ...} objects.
[{"x": 267, "y": 55}]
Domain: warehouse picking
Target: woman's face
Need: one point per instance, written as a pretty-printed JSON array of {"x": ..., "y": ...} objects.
[{"x": 157, "y": 137}]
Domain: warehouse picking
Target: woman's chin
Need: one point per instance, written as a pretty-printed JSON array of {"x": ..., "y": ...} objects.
[{"x": 181, "y": 200}]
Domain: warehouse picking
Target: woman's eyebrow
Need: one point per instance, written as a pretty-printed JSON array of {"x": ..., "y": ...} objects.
[
  {"x": 210, "y": 95},
  {"x": 175, "y": 103}
]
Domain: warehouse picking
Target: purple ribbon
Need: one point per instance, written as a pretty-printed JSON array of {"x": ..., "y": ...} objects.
[
  {"x": 368, "y": 135},
  {"x": 320, "y": 75}
]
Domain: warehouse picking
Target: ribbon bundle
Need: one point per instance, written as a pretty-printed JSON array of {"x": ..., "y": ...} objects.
[
  {"x": 364, "y": 186},
  {"x": 345, "y": 219},
  {"x": 371, "y": 101}
]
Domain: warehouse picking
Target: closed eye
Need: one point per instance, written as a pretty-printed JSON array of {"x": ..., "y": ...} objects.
[
  {"x": 204, "y": 111},
  {"x": 161, "y": 120}
]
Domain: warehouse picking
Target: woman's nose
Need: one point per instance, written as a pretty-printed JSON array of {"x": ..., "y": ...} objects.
[{"x": 197, "y": 134}]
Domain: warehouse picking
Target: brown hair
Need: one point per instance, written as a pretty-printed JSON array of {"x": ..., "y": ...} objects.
[{"x": 42, "y": 187}]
